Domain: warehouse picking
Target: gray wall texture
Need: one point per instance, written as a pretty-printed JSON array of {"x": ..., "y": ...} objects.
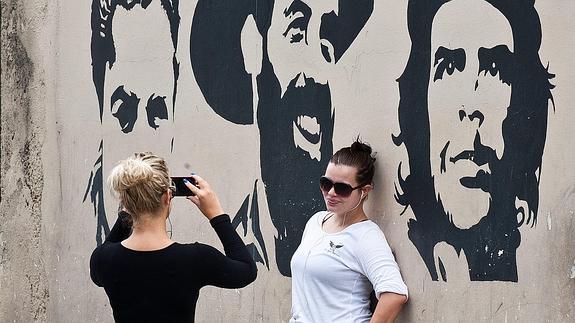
[{"x": 467, "y": 103}]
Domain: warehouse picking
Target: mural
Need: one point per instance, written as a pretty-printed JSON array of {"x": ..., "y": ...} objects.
[
  {"x": 471, "y": 186},
  {"x": 301, "y": 42},
  {"x": 120, "y": 61},
  {"x": 494, "y": 92}
]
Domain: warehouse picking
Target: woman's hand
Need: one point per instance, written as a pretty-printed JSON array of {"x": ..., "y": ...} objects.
[{"x": 205, "y": 199}]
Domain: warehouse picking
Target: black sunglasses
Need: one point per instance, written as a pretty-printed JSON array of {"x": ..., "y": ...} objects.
[{"x": 341, "y": 189}]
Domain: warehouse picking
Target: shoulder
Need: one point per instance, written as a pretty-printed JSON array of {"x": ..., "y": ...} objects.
[
  {"x": 370, "y": 238},
  {"x": 105, "y": 255},
  {"x": 319, "y": 216},
  {"x": 195, "y": 249},
  {"x": 316, "y": 219},
  {"x": 108, "y": 248},
  {"x": 367, "y": 230}
]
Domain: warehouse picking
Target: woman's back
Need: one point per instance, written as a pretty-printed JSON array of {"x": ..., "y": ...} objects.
[{"x": 163, "y": 285}]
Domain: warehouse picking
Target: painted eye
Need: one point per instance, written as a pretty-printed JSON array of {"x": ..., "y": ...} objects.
[
  {"x": 156, "y": 109},
  {"x": 299, "y": 13},
  {"x": 496, "y": 60},
  {"x": 124, "y": 107},
  {"x": 448, "y": 60}
]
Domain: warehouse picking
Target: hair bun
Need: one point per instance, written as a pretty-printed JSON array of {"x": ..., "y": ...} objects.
[
  {"x": 358, "y": 146},
  {"x": 131, "y": 173}
]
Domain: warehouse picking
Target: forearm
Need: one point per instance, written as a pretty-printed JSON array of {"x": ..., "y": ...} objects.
[
  {"x": 237, "y": 267},
  {"x": 234, "y": 247},
  {"x": 388, "y": 307},
  {"x": 121, "y": 229}
]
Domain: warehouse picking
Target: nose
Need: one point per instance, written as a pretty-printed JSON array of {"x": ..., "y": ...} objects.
[
  {"x": 331, "y": 191},
  {"x": 473, "y": 116}
]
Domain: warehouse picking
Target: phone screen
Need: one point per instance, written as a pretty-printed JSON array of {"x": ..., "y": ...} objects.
[{"x": 181, "y": 188}]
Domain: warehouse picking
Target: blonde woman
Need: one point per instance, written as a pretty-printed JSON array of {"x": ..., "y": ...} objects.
[{"x": 147, "y": 276}]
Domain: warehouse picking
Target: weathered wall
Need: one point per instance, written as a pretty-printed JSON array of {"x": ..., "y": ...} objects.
[
  {"x": 27, "y": 195},
  {"x": 468, "y": 109}
]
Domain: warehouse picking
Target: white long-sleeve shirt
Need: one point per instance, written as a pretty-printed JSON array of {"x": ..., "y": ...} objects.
[{"x": 334, "y": 273}]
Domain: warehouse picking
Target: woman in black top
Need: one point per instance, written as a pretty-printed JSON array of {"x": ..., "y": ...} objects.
[{"x": 147, "y": 276}]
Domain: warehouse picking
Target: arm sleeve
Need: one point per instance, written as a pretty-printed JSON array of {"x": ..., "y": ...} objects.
[
  {"x": 121, "y": 230},
  {"x": 236, "y": 268},
  {"x": 378, "y": 264}
]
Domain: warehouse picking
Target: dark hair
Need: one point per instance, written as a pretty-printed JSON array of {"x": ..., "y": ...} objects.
[
  {"x": 526, "y": 123},
  {"x": 102, "y": 41},
  {"x": 358, "y": 155},
  {"x": 524, "y": 132}
]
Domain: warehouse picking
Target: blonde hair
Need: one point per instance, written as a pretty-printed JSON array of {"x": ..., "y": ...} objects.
[{"x": 139, "y": 182}]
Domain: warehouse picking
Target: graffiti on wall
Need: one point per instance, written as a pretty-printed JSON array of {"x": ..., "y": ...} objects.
[
  {"x": 473, "y": 184},
  {"x": 301, "y": 42},
  {"x": 133, "y": 105}
]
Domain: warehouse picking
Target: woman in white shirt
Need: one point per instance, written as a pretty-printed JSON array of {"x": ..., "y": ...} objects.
[{"x": 343, "y": 256}]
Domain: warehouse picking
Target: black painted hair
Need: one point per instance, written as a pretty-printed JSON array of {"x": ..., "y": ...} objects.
[
  {"x": 102, "y": 41},
  {"x": 516, "y": 175},
  {"x": 357, "y": 155},
  {"x": 524, "y": 129}
]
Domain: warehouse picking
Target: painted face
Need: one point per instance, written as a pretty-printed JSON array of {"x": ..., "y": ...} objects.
[
  {"x": 295, "y": 119},
  {"x": 341, "y": 174},
  {"x": 302, "y": 62},
  {"x": 138, "y": 92},
  {"x": 468, "y": 96}
]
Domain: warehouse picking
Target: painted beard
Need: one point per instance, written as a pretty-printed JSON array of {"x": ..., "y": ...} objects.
[
  {"x": 296, "y": 133},
  {"x": 491, "y": 243}
]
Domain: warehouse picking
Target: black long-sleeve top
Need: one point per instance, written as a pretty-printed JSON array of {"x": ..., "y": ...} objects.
[{"x": 163, "y": 285}]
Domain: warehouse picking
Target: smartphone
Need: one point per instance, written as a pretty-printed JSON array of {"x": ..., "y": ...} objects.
[{"x": 181, "y": 188}]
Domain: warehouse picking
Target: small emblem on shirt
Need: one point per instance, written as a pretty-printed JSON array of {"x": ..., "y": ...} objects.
[{"x": 333, "y": 247}]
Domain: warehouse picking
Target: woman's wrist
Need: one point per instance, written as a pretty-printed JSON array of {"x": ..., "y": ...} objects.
[{"x": 217, "y": 219}]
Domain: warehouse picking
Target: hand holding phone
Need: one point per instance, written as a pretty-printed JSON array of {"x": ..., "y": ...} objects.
[
  {"x": 205, "y": 198},
  {"x": 181, "y": 188}
]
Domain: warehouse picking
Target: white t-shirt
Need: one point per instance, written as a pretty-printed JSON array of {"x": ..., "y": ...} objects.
[{"x": 333, "y": 273}]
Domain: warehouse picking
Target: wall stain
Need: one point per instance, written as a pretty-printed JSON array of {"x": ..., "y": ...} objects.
[{"x": 25, "y": 294}]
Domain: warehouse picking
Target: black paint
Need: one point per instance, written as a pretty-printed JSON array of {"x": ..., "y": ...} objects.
[
  {"x": 289, "y": 173},
  {"x": 124, "y": 105},
  {"x": 96, "y": 191},
  {"x": 513, "y": 176}
]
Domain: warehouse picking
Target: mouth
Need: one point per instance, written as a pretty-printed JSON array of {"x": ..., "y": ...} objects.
[
  {"x": 307, "y": 124},
  {"x": 467, "y": 155},
  {"x": 331, "y": 202},
  {"x": 481, "y": 180},
  {"x": 307, "y": 135}
]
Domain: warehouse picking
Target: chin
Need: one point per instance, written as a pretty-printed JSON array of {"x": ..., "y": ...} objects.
[{"x": 334, "y": 209}]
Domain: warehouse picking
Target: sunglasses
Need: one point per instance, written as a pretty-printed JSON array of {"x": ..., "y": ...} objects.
[{"x": 341, "y": 189}]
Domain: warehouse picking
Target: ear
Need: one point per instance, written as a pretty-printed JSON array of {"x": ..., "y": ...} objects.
[
  {"x": 252, "y": 47},
  {"x": 366, "y": 189},
  {"x": 328, "y": 51},
  {"x": 167, "y": 197}
]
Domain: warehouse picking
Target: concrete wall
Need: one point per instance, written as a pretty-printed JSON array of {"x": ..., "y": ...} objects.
[{"x": 468, "y": 109}]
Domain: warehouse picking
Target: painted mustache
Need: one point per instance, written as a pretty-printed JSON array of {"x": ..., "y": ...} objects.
[{"x": 480, "y": 155}]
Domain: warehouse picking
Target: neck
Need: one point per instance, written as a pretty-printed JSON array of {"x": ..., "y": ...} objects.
[
  {"x": 149, "y": 232},
  {"x": 350, "y": 217}
]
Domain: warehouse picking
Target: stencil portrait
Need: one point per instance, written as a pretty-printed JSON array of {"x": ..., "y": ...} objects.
[{"x": 474, "y": 103}]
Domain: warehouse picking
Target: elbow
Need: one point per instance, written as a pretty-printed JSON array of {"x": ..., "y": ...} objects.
[
  {"x": 252, "y": 275},
  {"x": 247, "y": 277}
]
